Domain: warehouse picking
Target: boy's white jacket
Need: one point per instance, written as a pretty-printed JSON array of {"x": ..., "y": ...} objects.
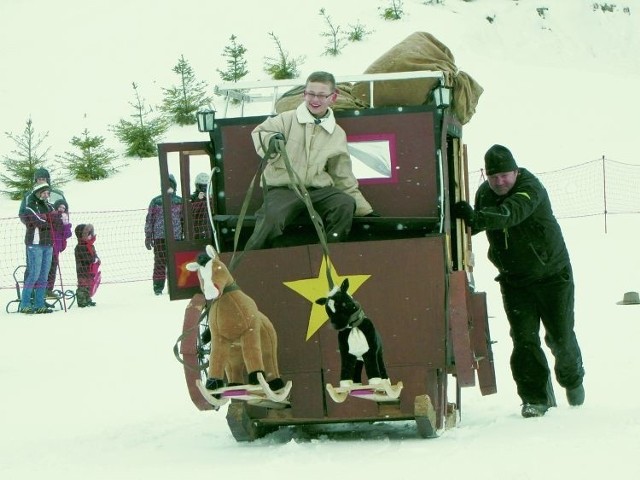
[{"x": 317, "y": 152}]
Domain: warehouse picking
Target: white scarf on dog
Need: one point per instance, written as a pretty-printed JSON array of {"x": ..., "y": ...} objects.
[{"x": 358, "y": 344}]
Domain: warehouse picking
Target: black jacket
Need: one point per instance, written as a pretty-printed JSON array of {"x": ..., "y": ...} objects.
[
  {"x": 525, "y": 240},
  {"x": 40, "y": 220}
]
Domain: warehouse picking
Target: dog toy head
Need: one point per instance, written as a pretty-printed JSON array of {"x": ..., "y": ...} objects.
[
  {"x": 213, "y": 275},
  {"x": 341, "y": 307}
]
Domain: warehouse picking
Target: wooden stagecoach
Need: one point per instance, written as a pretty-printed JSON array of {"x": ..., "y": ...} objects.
[{"x": 412, "y": 267}]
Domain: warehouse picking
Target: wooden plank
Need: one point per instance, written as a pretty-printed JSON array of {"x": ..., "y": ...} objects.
[
  {"x": 481, "y": 340},
  {"x": 459, "y": 328}
]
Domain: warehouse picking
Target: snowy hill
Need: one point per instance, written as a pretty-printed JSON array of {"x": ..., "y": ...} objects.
[{"x": 98, "y": 394}]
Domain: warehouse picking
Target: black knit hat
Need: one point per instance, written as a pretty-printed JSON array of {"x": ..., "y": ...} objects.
[
  {"x": 41, "y": 173},
  {"x": 79, "y": 229},
  {"x": 498, "y": 159},
  {"x": 59, "y": 202}
]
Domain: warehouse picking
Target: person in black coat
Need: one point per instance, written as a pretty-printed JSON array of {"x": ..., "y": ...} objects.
[
  {"x": 535, "y": 275},
  {"x": 42, "y": 176},
  {"x": 39, "y": 221}
]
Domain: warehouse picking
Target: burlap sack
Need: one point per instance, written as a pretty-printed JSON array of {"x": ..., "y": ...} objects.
[
  {"x": 419, "y": 51},
  {"x": 466, "y": 93},
  {"x": 345, "y": 101}
]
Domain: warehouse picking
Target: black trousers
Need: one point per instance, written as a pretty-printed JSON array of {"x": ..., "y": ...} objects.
[
  {"x": 550, "y": 301},
  {"x": 282, "y": 206}
]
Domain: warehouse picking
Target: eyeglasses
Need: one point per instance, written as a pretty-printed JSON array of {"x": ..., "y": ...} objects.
[{"x": 320, "y": 96}]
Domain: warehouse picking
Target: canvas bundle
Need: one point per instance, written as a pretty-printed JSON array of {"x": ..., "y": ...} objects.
[{"x": 419, "y": 51}]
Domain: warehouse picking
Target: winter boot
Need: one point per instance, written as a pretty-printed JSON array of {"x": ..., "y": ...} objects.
[
  {"x": 575, "y": 396},
  {"x": 158, "y": 286},
  {"x": 530, "y": 410},
  {"x": 82, "y": 297}
]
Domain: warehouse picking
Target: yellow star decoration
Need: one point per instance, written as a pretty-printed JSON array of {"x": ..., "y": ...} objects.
[{"x": 314, "y": 288}]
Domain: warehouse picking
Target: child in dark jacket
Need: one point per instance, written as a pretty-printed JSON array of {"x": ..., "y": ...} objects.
[{"x": 87, "y": 265}]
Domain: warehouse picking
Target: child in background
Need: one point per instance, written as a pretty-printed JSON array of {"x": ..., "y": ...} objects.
[
  {"x": 87, "y": 265},
  {"x": 60, "y": 235}
]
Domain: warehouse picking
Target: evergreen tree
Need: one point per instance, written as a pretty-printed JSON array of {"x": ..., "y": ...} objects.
[
  {"x": 181, "y": 102},
  {"x": 336, "y": 41},
  {"x": 22, "y": 163},
  {"x": 140, "y": 136},
  {"x": 236, "y": 63},
  {"x": 94, "y": 162},
  {"x": 284, "y": 67}
]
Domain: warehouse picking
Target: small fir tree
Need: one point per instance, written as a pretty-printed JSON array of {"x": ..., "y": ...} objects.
[
  {"x": 357, "y": 32},
  {"x": 93, "y": 162},
  {"x": 394, "y": 11},
  {"x": 181, "y": 102},
  {"x": 22, "y": 162},
  {"x": 236, "y": 63},
  {"x": 336, "y": 42},
  {"x": 284, "y": 67},
  {"x": 142, "y": 135}
]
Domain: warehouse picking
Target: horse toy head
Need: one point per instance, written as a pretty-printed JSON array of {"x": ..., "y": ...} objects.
[
  {"x": 213, "y": 275},
  {"x": 342, "y": 309}
]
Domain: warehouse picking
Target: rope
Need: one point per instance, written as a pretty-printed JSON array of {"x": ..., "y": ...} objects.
[{"x": 275, "y": 148}]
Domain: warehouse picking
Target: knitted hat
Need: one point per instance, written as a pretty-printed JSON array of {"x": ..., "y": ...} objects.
[
  {"x": 41, "y": 187},
  {"x": 202, "y": 179},
  {"x": 79, "y": 229},
  {"x": 498, "y": 159},
  {"x": 83, "y": 229},
  {"x": 41, "y": 173},
  {"x": 57, "y": 203}
]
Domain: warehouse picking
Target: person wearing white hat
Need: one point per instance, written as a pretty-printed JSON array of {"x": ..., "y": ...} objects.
[
  {"x": 199, "y": 213},
  {"x": 39, "y": 223}
]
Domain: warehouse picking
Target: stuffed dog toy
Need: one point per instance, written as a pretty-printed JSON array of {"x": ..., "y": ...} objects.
[{"x": 358, "y": 339}]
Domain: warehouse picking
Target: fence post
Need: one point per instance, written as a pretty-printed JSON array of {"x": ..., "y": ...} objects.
[{"x": 604, "y": 192}]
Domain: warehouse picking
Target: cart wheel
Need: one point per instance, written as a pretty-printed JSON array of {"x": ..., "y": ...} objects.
[
  {"x": 243, "y": 427},
  {"x": 425, "y": 417},
  {"x": 195, "y": 348}
]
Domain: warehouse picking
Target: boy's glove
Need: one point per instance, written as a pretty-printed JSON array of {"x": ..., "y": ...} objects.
[
  {"x": 148, "y": 242},
  {"x": 273, "y": 149},
  {"x": 463, "y": 211}
]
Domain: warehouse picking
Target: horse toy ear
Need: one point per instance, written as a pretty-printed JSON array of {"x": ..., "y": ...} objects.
[
  {"x": 211, "y": 251},
  {"x": 192, "y": 266},
  {"x": 345, "y": 285},
  {"x": 322, "y": 301}
]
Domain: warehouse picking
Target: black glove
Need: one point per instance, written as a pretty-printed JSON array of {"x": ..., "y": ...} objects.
[
  {"x": 463, "y": 211},
  {"x": 273, "y": 149},
  {"x": 148, "y": 242},
  {"x": 372, "y": 214}
]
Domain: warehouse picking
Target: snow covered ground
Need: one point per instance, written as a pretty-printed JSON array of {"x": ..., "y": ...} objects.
[{"x": 97, "y": 394}]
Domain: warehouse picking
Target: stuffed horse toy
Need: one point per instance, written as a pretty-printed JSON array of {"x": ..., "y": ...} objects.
[
  {"x": 358, "y": 339},
  {"x": 241, "y": 336}
]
